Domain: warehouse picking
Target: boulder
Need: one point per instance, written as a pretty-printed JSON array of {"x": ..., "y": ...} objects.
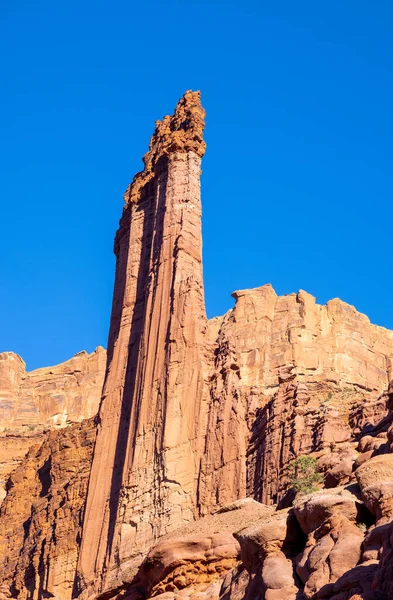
[
  {"x": 265, "y": 536},
  {"x": 313, "y": 509},
  {"x": 277, "y": 572},
  {"x": 334, "y": 542},
  {"x": 375, "y": 479},
  {"x": 177, "y": 563}
]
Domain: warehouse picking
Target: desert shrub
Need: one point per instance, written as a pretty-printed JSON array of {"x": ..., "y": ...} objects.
[{"x": 303, "y": 474}]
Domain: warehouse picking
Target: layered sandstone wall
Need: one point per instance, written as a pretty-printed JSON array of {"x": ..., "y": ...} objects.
[
  {"x": 41, "y": 516},
  {"x": 50, "y": 396},
  {"x": 333, "y": 343},
  {"x": 35, "y": 401},
  {"x": 287, "y": 374}
]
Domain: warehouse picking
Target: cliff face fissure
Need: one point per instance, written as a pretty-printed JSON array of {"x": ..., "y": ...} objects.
[
  {"x": 195, "y": 415},
  {"x": 134, "y": 375}
]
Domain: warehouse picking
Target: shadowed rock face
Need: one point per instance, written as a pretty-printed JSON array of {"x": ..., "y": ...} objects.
[
  {"x": 196, "y": 415},
  {"x": 44, "y": 467},
  {"x": 41, "y": 516}
]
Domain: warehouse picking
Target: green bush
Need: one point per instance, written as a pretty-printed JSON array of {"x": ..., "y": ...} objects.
[{"x": 303, "y": 474}]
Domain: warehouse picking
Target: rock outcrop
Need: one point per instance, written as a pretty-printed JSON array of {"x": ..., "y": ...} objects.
[
  {"x": 49, "y": 398},
  {"x": 196, "y": 413},
  {"x": 45, "y": 472},
  {"x": 41, "y": 516},
  {"x": 145, "y": 468},
  {"x": 196, "y": 416}
]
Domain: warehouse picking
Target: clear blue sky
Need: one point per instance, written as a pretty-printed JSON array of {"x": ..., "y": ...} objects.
[{"x": 297, "y": 180}]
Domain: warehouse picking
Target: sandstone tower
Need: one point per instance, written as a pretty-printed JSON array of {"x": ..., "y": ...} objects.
[
  {"x": 144, "y": 473},
  {"x": 196, "y": 414}
]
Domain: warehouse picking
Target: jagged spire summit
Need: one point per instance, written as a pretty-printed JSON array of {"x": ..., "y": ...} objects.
[{"x": 180, "y": 132}]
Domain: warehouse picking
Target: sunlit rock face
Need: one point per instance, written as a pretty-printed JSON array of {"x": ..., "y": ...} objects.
[
  {"x": 196, "y": 416},
  {"x": 196, "y": 413},
  {"x": 144, "y": 478},
  {"x": 45, "y": 458},
  {"x": 41, "y": 515},
  {"x": 48, "y": 398}
]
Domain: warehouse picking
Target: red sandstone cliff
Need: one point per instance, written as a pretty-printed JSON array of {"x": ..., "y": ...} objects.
[
  {"x": 41, "y": 516},
  {"x": 44, "y": 466},
  {"x": 192, "y": 416},
  {"x": 51, "y": 396},
  {"x": 43, "y": 399},
  {"x": 197, "y": 416}
]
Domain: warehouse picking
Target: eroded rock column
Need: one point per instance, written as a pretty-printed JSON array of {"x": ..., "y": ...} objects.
[{"x": 144, "y": 476}]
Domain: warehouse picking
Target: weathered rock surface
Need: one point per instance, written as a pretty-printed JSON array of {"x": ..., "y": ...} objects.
[
  {"x": 145, "y": 470},
  {"x": 51, "y": 396},
  {"x": 48, "y": 398},
  {"x": 13, "y": 448},
  {"x": 197, "y": 415},
  {"x": 334, "y": 543},
  {"x": 191, "y": 560},
  {"x": 41, "y": 516},
  {"x": 375, "y": 478}
]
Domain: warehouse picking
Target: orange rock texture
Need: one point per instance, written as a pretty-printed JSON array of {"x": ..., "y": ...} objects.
[
  {"x": 198, "y": 422},
  {"x": 41, "y": 516},
  {"x": 144, "y": 475},
  {"x": 48, "y": 398},
  {"x": 196, "y": 413}
]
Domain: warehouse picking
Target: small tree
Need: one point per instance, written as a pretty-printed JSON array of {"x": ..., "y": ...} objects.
[{"x": 303, "y": 474}]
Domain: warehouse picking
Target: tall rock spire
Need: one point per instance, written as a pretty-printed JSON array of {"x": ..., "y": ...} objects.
[
  {"x": 195, "y": 414},
  {"x": 145, "y": 468}
]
